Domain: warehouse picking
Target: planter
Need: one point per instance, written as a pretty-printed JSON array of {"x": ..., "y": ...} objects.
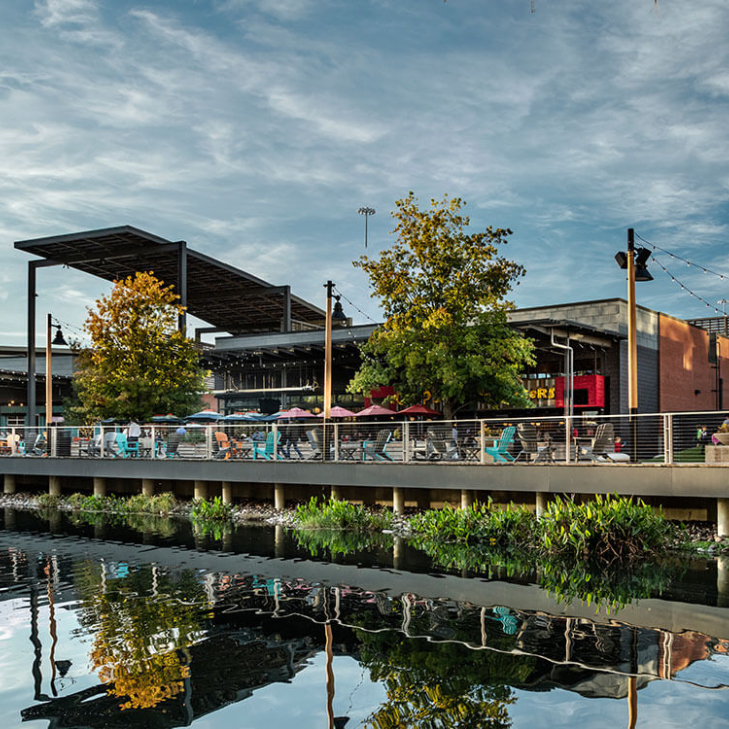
[{"x": 723, "y": 438}]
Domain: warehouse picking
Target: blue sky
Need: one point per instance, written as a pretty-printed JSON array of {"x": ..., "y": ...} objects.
[{"x": 254, "y": 129}]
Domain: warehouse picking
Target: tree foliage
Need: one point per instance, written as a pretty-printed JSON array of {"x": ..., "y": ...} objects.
[
  {"x": 138, "y": 364},
  {"x": 443, "y": 290}
]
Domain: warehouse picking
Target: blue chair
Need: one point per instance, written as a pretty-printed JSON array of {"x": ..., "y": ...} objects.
[
  {"x": 500, "y": 450},
  {"x": 377, "y": 450},
  {"x": 265, "y": 450},
  {"x": 125, "y": 448}
]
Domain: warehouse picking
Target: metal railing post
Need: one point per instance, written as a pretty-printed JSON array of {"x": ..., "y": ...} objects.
[
  {"x": 482, "y": 441},
  {"x": 209, "y": 442},
  {"x": 13, "y": 446},
  {"x": 567, "y": 439},
  {"x": 274, "y": 430},
  {"x": 102, "y": 444},
  {"x": 668, "y": 438},
  {"x": 336, "y": 442},
  {"x": 406, "y": 441},
  {"x": 153, "y": 450}
]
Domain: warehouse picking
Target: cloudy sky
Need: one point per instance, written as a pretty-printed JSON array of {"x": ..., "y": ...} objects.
[{"x": 254, "y": 129}]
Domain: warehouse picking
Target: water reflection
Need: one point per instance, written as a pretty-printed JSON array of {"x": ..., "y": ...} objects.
[{"x": 116, "y": 640}]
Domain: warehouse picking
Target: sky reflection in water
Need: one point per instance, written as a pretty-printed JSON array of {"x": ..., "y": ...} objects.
[{"x": 143, "y": 645}]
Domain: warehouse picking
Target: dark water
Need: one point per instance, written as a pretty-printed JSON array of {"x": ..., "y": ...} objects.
[{"x": 155, "y": 624}]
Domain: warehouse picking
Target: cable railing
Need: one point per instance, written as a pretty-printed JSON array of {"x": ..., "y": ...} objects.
[{"x": 655, "y": 438}]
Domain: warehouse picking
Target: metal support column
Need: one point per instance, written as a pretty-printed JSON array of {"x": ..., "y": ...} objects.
[
  {"x": 182, "y": 284},
  {"x": 30, "y": 419}
]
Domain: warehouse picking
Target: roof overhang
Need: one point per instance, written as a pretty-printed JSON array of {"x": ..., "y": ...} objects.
[{"x": 226, "y": 297}]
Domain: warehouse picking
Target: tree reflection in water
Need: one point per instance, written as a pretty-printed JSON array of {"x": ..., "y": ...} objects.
[{"x": 143, "y": 624}]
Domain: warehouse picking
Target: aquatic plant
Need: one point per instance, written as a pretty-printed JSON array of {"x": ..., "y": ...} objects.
[
  {"x": 319, "y": 542},
  {"x": 215, "y": 510},
  {"x": 334, "y": 514}
]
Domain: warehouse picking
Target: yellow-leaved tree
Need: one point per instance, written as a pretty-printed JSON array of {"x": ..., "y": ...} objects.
[{"x": 138, "y": 363}]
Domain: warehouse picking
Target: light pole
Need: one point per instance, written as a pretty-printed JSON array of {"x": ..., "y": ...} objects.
[
  {"x": 634, "y": 260},
  {"x": 58, "y": 340},
  {"x": 366, "y": 212},
  {"x": 338, "y": 315}
]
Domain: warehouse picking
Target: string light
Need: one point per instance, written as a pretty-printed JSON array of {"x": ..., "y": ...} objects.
[
  {"x": 353, "y": 305},
  {"x": 688, "y": 263},
  {"x": 683, "y": 286}
]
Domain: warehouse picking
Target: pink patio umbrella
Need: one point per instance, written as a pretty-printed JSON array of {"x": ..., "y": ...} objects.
[
  {"x": 418, "y": 410},
  {"x": 374, "y": 410},
  {"x": 295, "y": 413},
  {"x": 338, "y": 412}
]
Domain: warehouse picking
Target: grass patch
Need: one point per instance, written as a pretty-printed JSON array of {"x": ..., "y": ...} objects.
[{"x": 335, "y": 514}]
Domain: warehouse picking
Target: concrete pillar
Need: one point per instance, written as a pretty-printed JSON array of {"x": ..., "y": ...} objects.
[
  {"x": 279, "y": 543},
  {"x": 54, "y": 485},
  {"x": 279, "y": 497},
  {"x": 466, "y": 498},
  {"x": 9, "y": 484},
  {"x": 722, "y": 517},
  {"x": 541, "y": 504},
  {"x": 336, "y": 493},
  {"x": 201, "y": 489},
  {"x": 147, "y": 487},
  {"x": 722, "y": 581},
  {"x": 398, "y": 551},
  {"x": 226, "y": 492},
  {"x": 99, "y": 486},
  {"x": 398, "y": 500}
]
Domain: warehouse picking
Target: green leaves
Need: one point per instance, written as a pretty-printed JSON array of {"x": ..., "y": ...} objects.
[{"x": 443, "y": 290}]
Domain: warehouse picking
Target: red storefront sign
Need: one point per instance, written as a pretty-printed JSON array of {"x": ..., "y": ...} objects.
[{"x": 589, "y": 391}]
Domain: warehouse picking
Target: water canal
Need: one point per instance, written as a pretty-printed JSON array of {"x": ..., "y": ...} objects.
[{"x": 156, "y": 625}]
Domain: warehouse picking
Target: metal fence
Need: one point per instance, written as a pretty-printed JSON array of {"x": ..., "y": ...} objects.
[{"x": 604, "y": 439}]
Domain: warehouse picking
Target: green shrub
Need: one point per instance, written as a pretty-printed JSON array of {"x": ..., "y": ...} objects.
[
  {"x": 334, "y": 514},
  {"x": 76, "y": 500},
  {"x": 48, "y": 500},
  {"x": 608, "y": 528},
  {"x": 162, "y": 503},
  {"x": 215, "y": 510}
]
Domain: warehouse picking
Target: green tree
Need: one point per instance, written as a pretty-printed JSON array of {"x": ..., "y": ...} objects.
[
  {"x": 138, "y": 363},
  {"x": 443, "y": 290}
]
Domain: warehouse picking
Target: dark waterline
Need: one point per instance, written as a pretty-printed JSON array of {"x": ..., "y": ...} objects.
[{"x": 165, "y": 626}]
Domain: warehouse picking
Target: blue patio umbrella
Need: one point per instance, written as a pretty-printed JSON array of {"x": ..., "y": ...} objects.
[
  {"x": 168, "y": 419},
  {"x": 204, "y": 416},
  {"x": 241, "y": 418}
]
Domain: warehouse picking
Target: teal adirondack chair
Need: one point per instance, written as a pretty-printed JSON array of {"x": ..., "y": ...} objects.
[
  {"x": 265, "y": 450},
  {"x": 124, "y": 448},
  {"x": 500, "y": 450}
]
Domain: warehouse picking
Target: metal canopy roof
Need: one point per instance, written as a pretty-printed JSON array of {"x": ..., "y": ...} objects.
[{"x": 224, "y": 296}]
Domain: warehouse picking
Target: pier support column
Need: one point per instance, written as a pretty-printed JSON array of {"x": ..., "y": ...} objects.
[
  {"x": 398, "y": 500},
  {"x": 54, "y": 485},
  {"x": 148, "y": 487},
  {"x": 722, "y": 581},
  {"x": 279, "y": 541},
  {"x": 9, "y": 484},
  {"x": 99, "y": 486},
  {"x": 336, "y": 493},
  {"x": 201, "y": 489},
  {"x": 541, "y": 504},
  {"x": 279, "y": 497},
  {"x": 722, "y": 517},
  {"x": 398, "y": 550},
  {"x": 226, "y": 491},
  {"x": 466, "y": 498}
]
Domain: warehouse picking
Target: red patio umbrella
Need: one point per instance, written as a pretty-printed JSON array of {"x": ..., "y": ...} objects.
[
  {"x": 373, "y": 410},
  {"x": 294, "y": 413},
  {"x": 418, "y": 410},
  {"x": 338, "y": 412}
]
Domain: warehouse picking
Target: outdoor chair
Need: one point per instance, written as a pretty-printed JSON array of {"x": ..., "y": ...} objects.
[
  {"x": 530, "y": 448},
  {"x": 173, "y": 442},
  {"x": 500, "y": 450},
  {"x": 314, "y": 437},
  {"x": 602, "y": 449},
  {"x": 266, "y": 449},
  {"x": 377, "y": 449},
  {"x": 125, "y": 449},
  {"x": 439, "y": 445},
  {"x": 223, "y": 448}
]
